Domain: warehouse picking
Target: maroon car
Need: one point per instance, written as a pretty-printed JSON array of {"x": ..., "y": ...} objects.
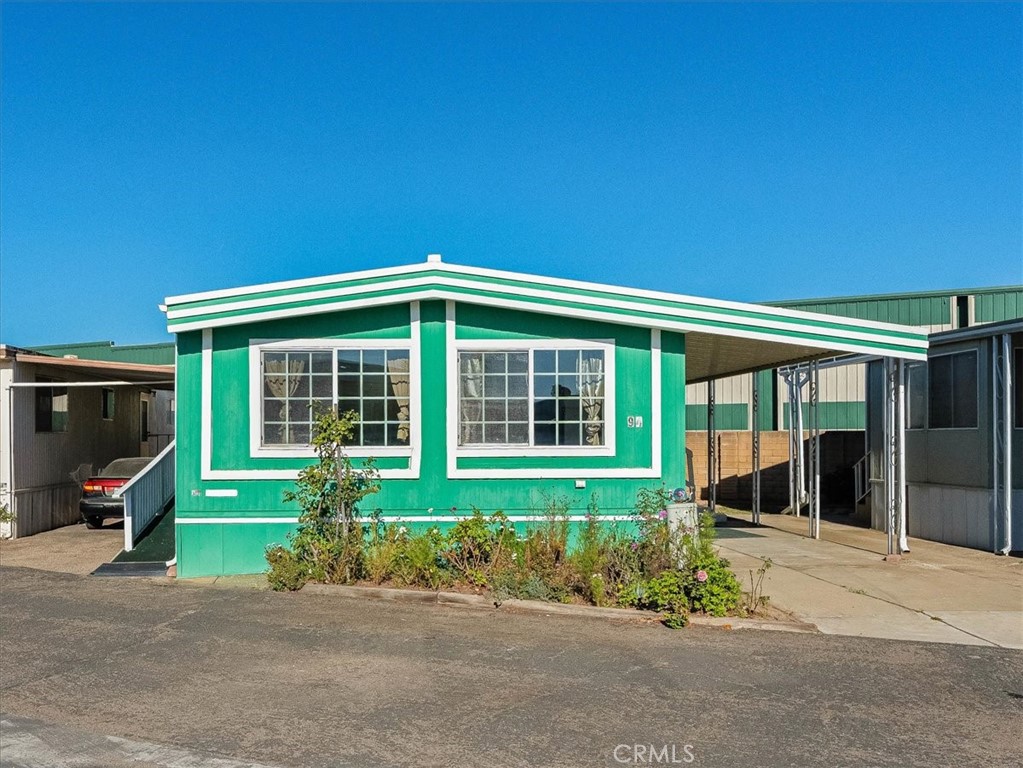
[{"x": 98, "y": 500}]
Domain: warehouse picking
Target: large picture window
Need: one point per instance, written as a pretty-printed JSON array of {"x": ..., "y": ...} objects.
[
  {"x": 952, "y": 383},
  {"x": 532, "y": 398},
  {"x": 298, "y": 384}
]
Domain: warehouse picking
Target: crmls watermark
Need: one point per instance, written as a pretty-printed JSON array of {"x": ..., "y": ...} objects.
[{"x": 654, "y": 754}]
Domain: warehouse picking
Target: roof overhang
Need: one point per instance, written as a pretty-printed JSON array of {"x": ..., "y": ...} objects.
[
  {"x": 722, "y": 337},
  {"x": 156, "y": 376}
]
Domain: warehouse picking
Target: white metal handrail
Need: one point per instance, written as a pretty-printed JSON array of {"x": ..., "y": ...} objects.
[
  {"x": 861, "y": 479},
  {"x": 146, "y": 495}
]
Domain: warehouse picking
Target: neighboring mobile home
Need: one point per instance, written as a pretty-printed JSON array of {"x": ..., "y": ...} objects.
[
  {"x": 964, "y": 438},
  {"x": 476, "y": 388},
  {"x": 61, "y": 418}
]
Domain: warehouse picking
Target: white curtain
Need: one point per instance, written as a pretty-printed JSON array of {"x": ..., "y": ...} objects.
[
  {"x": 398, "y": 373},
  {"x": 472, "y": 387},
  {"x": 591, "y": 388},
  {"x": 281, "y": 385}
]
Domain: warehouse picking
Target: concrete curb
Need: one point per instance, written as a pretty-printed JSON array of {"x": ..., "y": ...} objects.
[{"x": 539, "y": 606}]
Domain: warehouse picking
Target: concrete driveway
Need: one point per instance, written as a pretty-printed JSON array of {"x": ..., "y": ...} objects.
[
  {"x": 71, "y": 549},
  {"x": 843, "y": 585}
]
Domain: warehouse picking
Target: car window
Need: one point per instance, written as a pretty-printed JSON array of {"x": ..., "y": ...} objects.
[{"x": 124, "y": 467}]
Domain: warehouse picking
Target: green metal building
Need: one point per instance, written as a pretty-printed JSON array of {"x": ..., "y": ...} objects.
[{"x": 161, "y": 353}]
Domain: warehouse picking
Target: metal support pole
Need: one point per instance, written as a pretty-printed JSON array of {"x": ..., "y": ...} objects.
[
  {"x": 756, "y": 448},
  {"x": 900, "y": 465},
  {"x": 712, "y": 489},
  {"x": 894, "y": 457},
  {"x": 1001, "y": 440},
  {"x": 814, "y": 480}
]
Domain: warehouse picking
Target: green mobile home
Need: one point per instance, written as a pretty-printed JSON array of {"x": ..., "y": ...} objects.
[{"x": 475, "y": 388}]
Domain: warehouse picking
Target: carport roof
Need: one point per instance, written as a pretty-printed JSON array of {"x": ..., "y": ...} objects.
[
  {"x": 159, "y": 376},
  {"x": 722, "y": 337}
]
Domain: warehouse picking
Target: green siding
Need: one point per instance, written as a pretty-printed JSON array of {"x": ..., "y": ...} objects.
[
  {"x": 727, "y": 416},
  {"x": 768, "y": 381},
  {"x": 834, "y": 415},
  {"x": 990, "y": 308},
  {"x": 929, "y": 308}
]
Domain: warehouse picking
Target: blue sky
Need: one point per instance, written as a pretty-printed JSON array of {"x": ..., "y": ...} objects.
[{"x": 748, "y": 152}]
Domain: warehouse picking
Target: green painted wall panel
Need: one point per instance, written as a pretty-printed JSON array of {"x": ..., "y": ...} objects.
[
  {"x": 989, "y": 308},
  {"x": 847, "y": 414},
  {"x": 142, "y": 354},
  {"x": 727, "y": 416}
]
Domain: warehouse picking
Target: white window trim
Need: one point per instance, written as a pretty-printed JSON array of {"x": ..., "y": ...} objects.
[
  {"x": 976, "y": 363},
  {"x": 529, "y": 345},
  {"x": 257, "y": 346}
]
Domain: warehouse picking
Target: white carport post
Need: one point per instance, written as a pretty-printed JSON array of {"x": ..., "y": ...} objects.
[
  {"x": 794, "y": 379},
  {"x": 814, "y": 480},
  {"x": 1001, "y": 436},
  {"x": 895, "y": 455},
  {"x": 755, "y": 417}
]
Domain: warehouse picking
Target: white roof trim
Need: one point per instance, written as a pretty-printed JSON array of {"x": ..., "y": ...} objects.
[{"x": 456, "y": 269}]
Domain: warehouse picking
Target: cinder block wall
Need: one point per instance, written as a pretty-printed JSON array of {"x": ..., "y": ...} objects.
[{"x": 840, "y": 450}]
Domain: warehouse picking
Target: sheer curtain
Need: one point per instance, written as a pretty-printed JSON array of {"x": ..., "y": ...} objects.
[
  {"x": 472, "y": 387},
  {"x": 591, "y": 389},
  {"x": 281, "y": 385},
  {"x": 397, "y": 371}
]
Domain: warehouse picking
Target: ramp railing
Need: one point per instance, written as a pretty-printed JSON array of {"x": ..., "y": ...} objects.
[
  {"x": 147, "y": 494},
  {"x": 861, "y": 478}
]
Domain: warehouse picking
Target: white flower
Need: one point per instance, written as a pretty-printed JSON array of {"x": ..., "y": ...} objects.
[{"x": 402, "y": 529}]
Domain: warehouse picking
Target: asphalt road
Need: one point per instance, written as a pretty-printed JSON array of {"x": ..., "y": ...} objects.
[{"x": 311, "y": 680}]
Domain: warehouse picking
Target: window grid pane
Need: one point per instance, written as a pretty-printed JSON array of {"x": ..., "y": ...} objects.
[
  {"x": 563, "y": 389},
  {"x": 568, "y": 397},
  {"x": 493, "y": 398},
  {"x": 299, "y": 384}
]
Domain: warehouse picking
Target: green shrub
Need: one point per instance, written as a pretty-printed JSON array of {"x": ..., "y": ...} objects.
[
  {"x": 668, "y": 592},
  {"x": 418, "y": 559},
  {"x": 713, "y": 587},
  {"x": 478, "y": 546},
  {"x": 329, "y": 542},
  {"x": 286, "y": 573}
]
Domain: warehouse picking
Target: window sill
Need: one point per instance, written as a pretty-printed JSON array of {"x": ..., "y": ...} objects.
[
  {"x": 308, "y": 452},
  {"x": 533, "y": 451}
]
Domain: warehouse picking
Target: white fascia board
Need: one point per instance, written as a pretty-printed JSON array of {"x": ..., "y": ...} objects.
[
  {"x": 455, "y": 269},
  {"x": 838, "y": 341},
  {"x": 309, "y": 282}
]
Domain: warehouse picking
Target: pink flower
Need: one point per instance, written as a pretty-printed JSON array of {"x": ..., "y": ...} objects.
[
  {"x": 663, "y": 514},
  {"x": 635, "y": 546},
  {"x": 701, "y": 576}
]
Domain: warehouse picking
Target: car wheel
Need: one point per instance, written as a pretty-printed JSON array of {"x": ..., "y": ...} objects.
[{"x": 92, "y": 521}]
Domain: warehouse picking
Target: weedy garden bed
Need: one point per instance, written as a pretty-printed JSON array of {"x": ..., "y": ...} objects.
[{"x": 655, "y": 564}]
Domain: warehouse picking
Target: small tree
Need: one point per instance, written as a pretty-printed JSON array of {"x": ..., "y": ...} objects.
[{"x": 328, "y": 545}]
